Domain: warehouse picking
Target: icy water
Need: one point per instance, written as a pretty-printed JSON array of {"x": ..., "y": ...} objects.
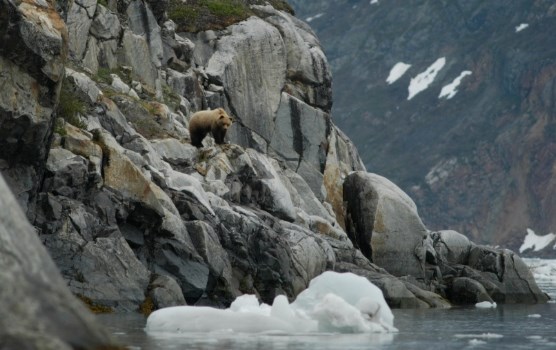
[{"x": 506, "y": 327}]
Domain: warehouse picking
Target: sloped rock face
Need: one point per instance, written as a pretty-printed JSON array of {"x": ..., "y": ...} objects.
[
  {"x": 38, "y": 310},
  {"x": 482, "y": 161}
]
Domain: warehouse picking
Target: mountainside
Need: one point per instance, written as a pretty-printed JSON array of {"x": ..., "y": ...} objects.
[{"x": 468, "y": 129}]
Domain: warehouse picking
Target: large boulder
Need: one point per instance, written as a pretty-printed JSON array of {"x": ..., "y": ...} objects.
[
  {"x": 383, "y": 222},
  {"x": 38, "y": 310},
  {"x": 505, "y": 270}
]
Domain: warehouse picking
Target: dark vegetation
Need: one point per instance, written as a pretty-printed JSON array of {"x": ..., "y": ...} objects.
[{"x": 200, "y": 15}]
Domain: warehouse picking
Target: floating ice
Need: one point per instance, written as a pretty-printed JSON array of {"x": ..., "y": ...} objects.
[
  {"x": 535, "y": 242},
  {"x": 476, "y": 342},
  {"x": 534, "y": 316},
  {"x": 485, "y": 305},
  {"x": 374, "y": 2},
  {"x": 450, "y": 90},
  {"x": 521, "y": 27},
  {"x": 334, "y": 302},
  {"x": 480, "y": 336},
  {"x": 397, "y": 72},
  {"x": 422, "y": 81}
]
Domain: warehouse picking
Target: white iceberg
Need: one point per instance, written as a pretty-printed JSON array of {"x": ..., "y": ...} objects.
[
  {"x": 485, "y": 305},
  {"x": 333, "y": 303}
]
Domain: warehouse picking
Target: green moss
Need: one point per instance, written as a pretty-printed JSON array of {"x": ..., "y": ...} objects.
[
  {"x": 70, "y": 106},
  {"x": 200, "y": 15},
  {"x": 103, "y": 3},
  {"x": 103, "y": 75},
  {"x": 147, "y": 306},
  {"x": 59, "y": 127},
  {"x": 171, "y": 99},
  {"x": 227, "y": 8}
]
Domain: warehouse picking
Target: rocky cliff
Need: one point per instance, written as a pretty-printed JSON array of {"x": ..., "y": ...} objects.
[
  {"x": 136, "y": 218},
  {"x": 479, "y": 158}
]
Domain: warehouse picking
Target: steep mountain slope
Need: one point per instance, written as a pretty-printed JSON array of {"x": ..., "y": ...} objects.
[{"x": 481, "y": 160}]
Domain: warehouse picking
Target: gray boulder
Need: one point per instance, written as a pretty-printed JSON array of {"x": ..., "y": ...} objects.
[
  {"x": 383, "y": 222},
  {"x": 165, "y": 292},
  {"x": 508, "y": 273}
]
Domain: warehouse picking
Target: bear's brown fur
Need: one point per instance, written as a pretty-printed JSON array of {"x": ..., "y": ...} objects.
[{"x": 217, "y": 121}]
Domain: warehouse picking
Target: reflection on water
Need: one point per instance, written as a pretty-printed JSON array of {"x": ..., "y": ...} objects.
[{"x": 515, "y": 326}]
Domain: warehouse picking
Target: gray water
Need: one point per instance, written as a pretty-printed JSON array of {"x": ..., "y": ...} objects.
[{"x": 505, "y": 327}]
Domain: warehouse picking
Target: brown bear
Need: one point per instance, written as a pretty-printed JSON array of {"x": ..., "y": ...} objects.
[{"x": 217, "y": 121}]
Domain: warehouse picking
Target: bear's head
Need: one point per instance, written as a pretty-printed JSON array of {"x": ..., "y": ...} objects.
[{"x": 224, "y": 121}]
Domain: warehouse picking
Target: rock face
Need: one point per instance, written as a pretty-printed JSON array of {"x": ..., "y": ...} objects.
[
  {"x": 135, "y": 217},
  {"x": 38, "y": 310},
  {"x": 32, "y": 57},
  {"x": 481, "y": 161}
]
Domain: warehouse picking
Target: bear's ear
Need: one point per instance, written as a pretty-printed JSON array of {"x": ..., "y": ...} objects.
[
  {"x": 222, "y": 116},
  {"x": 231, "y": 120}
]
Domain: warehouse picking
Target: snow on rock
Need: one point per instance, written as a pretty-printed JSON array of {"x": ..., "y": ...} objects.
[
  {"x": 334, "y": 302},
  {"x": 521, "y": 27},
  {"x": 485, "y": 305},
  {"x": 423, "y": 80},
  {"x": 535, "y": 242},
  {"x": 450, "y": 90},
  {"x": 397, "y": 71},
  {"x": 312, "y": 18}
]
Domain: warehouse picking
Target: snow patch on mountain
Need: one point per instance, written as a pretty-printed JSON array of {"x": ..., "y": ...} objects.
[
  {"x": 397, "y": 72},
  {"x": 536, "y": 242},
  {"x": 312, "y": 18},
  {"x": 521, "y": 27},
  {"x": 422, "y": 81},
  {"x": 450, "y": 90}
]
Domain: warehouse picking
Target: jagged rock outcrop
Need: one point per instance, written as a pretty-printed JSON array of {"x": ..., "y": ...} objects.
[
  {"x": 479, "y": 159},
  {"x": 32, "y": 57},
  {"x": 135, "y": 216}
]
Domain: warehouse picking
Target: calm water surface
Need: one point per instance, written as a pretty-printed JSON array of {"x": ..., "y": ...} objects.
[{"x": 506, "y": 327}]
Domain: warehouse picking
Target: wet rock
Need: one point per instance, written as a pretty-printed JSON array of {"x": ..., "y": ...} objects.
[
  {"x": 165, "y": 292},
  {"x": 468, "y": 291}
]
